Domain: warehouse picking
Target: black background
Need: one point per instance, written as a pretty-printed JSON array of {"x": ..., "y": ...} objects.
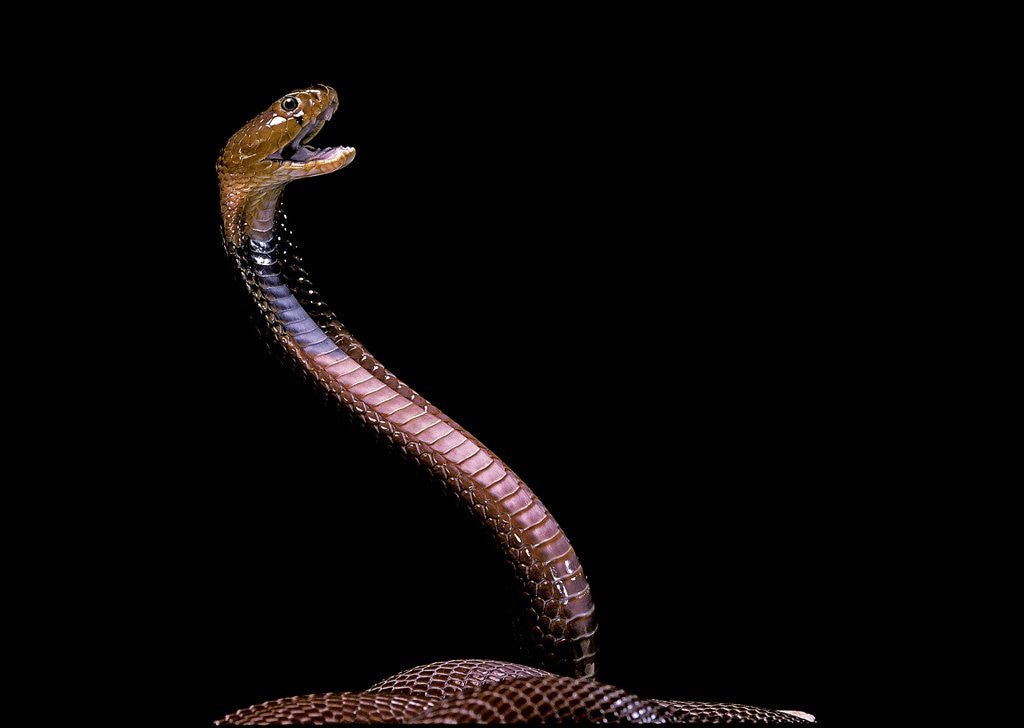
[{"x": 626, "y": 270}]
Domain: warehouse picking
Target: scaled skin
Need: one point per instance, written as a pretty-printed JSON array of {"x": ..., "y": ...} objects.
[
  {"x": 558, "y": 613},
  {"x": 558, "y": 623},
  {"x": 250, "y": 180}
]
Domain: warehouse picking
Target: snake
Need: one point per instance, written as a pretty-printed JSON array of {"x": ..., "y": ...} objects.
[{"x": 556, "y": 623}]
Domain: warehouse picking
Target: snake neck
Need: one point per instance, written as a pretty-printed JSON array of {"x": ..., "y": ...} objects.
[
  {"x": 260, "y": 219},
  {"x": 248, "y": 217},
  {"x": 559, "y": 612}
]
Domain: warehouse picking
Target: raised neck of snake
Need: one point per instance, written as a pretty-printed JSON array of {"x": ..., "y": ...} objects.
[{"x": 254, "y": 167}]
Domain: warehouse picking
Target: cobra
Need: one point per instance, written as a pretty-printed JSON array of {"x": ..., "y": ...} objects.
[{"x": 559, "y": 623}]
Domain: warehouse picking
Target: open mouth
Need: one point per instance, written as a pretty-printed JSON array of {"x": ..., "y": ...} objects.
[{"x": 298, "y": 151}]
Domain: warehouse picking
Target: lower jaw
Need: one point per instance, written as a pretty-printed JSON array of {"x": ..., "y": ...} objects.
[{"x": 332, "y": 160}]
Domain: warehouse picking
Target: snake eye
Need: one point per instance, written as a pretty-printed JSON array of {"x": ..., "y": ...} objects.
[{"x": 289, "y": 103}]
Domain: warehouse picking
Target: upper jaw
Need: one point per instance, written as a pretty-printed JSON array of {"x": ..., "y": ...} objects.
[{"x": 297, "y": 150}]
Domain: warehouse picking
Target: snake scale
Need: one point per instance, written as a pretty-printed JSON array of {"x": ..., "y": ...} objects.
[{"x": 558, "y": 623}]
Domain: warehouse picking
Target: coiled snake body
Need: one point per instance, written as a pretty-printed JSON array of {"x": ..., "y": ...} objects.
[{"x": 559, "y": 625}]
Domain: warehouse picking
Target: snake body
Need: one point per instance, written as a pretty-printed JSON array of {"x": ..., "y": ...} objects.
[{"x": 557, "y": 625}]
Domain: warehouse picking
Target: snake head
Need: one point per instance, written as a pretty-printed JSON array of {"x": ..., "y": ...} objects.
[{"x": 274, "y": 148}]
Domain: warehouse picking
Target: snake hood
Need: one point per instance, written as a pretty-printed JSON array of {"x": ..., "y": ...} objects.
[{"x": 272, "y": 150}]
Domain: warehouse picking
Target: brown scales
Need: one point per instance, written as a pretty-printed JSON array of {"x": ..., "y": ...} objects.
[{"x": 560, "y": 625}]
